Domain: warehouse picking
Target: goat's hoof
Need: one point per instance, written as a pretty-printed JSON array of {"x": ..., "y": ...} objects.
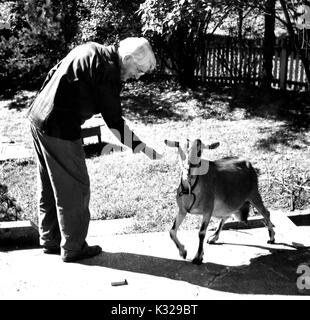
[
  {"x": 183, "y": 254},
  {"x": 212, "y": 240},
  {"x": 197, "y": 261},
  {"x": 271, "y": 241}
]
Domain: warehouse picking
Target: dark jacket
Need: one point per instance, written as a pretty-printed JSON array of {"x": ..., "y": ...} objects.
[{"x": 84, "y": 83}]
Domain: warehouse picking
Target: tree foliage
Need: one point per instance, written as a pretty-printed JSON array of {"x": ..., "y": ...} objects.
[
  {"x": 291, "y": 14},
  {"x": 35, "y": 43},
  {"x": 9, "y": 210},
  {"x": 43, "y": 31},
  {"x": 178, "y": 28},
  {"x": 182, "y": 28},
  {"x": 107, "y": 21}
]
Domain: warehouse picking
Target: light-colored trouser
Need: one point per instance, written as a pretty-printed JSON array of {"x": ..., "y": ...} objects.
[{"x": 63, "y": 191}]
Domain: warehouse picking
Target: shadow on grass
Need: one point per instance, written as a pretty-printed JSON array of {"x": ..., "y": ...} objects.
[
  {"x": 19, "y": 103},
  {"x": 158, "y": 102},
  {"x": 19, "y": 100},
  {"x": 101, "y": 148},
  {"x": 94, "y": 149},
  {"x": 150, "y": 108},
  {"x": 287, "y": 136},
  {"x": 274, "y": 273},
  {"x": 289, "y": 106},
  {"x": 215, "y": 102},
  {"x": 147, "y": 103},
  {"x": 292, "y": 108}
]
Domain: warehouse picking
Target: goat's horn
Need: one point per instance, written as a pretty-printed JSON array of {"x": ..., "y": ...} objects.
[
  {"x": 213, "y": 145},
  {"x": 171, "y": 143}
]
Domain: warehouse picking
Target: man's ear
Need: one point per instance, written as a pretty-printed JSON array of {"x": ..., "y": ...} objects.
[
  {"x": 213, "y": 145},
  {"x": 128, "y": 59}
]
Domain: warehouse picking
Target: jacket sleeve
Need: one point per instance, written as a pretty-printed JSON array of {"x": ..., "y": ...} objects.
[{"x": 111, "y": 111}]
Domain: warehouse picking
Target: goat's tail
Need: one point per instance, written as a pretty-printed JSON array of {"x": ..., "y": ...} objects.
[{"x": 244, "y": 212}]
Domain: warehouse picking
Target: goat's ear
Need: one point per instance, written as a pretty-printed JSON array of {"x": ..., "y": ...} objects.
[
  {"x": 171, "y": 143},
  {"x": 213, "y": 145},
  {"x": 199, "y": 145}
]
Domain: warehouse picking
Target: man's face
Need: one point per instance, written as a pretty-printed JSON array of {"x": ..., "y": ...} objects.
[{"x": 131, "y": 70}]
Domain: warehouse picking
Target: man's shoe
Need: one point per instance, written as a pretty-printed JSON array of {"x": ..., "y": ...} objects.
[
  {"x": 86, "y": 252},
  {"x": 51, "y": 250}
]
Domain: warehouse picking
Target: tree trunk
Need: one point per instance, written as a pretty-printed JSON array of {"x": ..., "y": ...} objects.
[
  {"x": 240, "y": 24},
  {"x": 296, "y": 43},
  {"x": 185, "y": 57},
  {"x": 269, "y": 42}
]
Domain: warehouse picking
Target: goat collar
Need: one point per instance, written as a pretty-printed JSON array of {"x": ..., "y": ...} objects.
[
  {"x": 188, "y": 174},
  {"x": 190, "y": 188},
  {"x": 188, "y": 191}
]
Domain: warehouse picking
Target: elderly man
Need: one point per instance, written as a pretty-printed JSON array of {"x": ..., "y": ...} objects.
[{"x": 86, "y": 82}]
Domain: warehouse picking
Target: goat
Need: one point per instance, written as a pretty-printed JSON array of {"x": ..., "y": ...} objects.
[{"x": 214, "y": 188}]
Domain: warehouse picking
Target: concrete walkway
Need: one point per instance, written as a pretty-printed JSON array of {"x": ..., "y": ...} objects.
[{"x": 241, "y": 266}]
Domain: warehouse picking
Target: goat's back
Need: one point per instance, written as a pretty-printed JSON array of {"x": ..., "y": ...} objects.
[
  {"x": 229, "y": 182},
  {"x": 233, "y": 172}
]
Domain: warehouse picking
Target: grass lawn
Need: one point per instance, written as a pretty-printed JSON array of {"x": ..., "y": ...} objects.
[{"x": 271, "y": 129}]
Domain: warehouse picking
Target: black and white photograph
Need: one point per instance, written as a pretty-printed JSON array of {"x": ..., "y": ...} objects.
[{"x": 154, "y": 154}]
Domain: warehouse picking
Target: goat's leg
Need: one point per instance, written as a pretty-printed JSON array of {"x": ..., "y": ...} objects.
[
  {"x": 215, "y": 236},
  {"x": 257, "y": 202},
  {"x": 202, "y": 234},
  {"x": 173, "y": 233}
]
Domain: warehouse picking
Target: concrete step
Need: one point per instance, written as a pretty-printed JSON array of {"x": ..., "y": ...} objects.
[{"x": 18, "y": 234}]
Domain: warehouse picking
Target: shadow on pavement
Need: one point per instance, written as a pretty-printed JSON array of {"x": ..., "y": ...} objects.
[
  {"x": 274, "y": 273},
  {"x": 11, "y": 246}
]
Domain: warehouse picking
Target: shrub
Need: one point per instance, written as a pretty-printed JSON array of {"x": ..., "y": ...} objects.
[{"x": 9, "y": 210}]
